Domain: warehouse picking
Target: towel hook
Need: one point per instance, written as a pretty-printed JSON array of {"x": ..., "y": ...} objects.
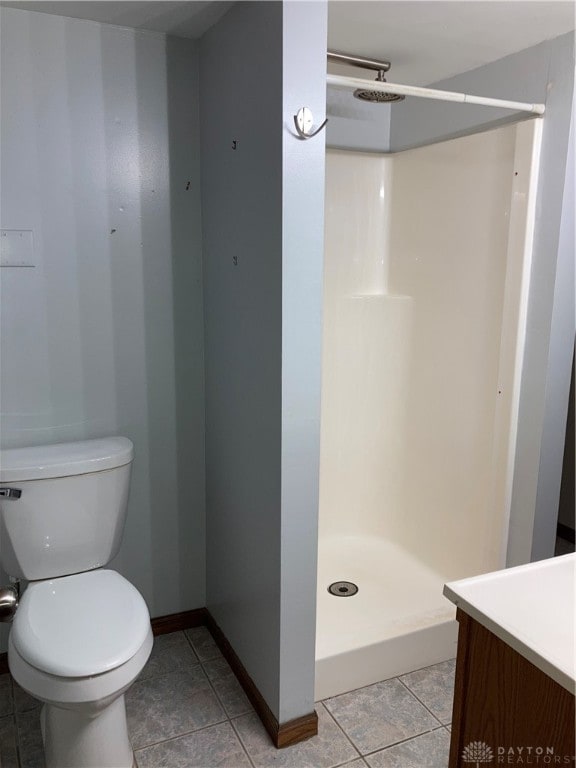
[{"x": 304, "y": 120}]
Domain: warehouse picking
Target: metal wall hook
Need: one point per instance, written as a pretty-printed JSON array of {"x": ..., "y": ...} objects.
[{"x": 304, "y": 120}]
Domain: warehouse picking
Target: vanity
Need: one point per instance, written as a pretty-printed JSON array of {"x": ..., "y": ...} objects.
[{"x": 515, "y": 667}]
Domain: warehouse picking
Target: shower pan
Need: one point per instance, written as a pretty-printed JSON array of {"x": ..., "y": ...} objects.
[{"x": 427, "y": 263}]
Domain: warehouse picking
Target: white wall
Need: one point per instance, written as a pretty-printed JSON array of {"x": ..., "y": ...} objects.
[
  {"x": 422, "y": 248},
  {"x": 543, "y": 73},
  {"x": 366, "y": 352},
  {"x": 104, "y": 336},
  {"x": 451, "y": 211}
]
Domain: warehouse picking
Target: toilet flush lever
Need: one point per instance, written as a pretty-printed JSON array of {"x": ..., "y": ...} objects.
[
  {"x": 10, "y": 493},
  {"x": 9, "y": 597}
]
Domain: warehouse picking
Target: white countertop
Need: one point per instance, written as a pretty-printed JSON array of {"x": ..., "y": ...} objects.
[{"x": 531, "y": 608}]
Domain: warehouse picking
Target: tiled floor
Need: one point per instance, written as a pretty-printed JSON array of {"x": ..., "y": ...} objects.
[{"x": 187, "y": 710}]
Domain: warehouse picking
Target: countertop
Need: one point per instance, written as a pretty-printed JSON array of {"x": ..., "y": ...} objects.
[{"x": 531, "y": 608}]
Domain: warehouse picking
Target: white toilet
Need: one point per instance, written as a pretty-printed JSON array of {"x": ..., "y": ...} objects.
[{"x": 81, "y": 634}]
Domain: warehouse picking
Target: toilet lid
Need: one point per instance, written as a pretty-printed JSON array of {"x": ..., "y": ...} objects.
[{"x": 81, "y": 625}]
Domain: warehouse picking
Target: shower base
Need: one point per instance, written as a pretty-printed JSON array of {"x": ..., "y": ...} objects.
[{"x": 397, "y": 622}]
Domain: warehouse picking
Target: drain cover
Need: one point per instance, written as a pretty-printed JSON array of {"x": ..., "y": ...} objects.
[{"x": 343, "y": 589}]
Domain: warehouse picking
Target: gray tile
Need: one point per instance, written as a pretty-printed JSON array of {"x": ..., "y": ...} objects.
[
  {"x": 203, "y": 643},
  {"x": 171, "y": 705},
  {"x": 23, "y": 702},
  {"x": 328, "y": 749},
  {"x": 8, "y": 751},
  {"x": 227, "y": 687},
  {"x": 6, "y": 702},
  {"x": 434, "y": 686},
  {"x": 171, "y": 653},
  {"x": 359, "y": 763},
  {"x": 427, "y": 751},
  {"x": 30, "y": 739},
  {"x": 380, "y": 715},
  {"x": 213, "y": 747}
]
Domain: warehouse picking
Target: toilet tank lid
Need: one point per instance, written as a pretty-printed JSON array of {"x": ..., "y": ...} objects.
[{"x": 64, "y": 459}]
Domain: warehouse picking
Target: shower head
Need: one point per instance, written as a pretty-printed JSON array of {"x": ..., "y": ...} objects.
[
  {"x": 377, "y": 97},
  {"x": 378, "y": 65}
]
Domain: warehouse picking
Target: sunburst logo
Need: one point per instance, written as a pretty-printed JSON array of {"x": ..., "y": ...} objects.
[{"x": 477, "y": 752}]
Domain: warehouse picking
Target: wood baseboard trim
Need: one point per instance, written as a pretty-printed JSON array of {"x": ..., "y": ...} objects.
[
  {"x": 282, "y": 734},
  {"x": 162, "y": 625},
  {"x": 175, "y": 622},
  {"x": 299, "y": 729}
]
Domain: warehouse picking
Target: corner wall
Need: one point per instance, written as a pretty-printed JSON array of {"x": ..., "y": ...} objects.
[
  {"x": 262, "y": 205},
  {"x": 241, "y": 106},
  {"x": 100, "y": 159},
  {"x": 304, "y": 79}
]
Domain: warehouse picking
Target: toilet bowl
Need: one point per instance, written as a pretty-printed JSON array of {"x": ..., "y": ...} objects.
[
  {"x": 81, "y": 633},
  {"x": 77, "y": 644}
]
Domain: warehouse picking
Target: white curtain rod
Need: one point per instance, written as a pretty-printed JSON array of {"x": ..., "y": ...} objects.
[{"x": 341, "y": 81}]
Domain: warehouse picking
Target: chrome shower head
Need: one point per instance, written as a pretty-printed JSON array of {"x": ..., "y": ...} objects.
[{"x": 377, "y": 97}]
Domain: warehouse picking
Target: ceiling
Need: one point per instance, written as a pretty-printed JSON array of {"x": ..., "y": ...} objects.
[
  {"x": 183, "y": 18},
  {"x": 426, "y": 40}
]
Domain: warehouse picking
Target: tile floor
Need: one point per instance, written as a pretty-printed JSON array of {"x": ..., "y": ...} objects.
[{"x": 187, "y": 710}]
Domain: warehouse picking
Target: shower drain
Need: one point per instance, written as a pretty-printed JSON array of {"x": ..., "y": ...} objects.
[{"x": 343, "y": 589}]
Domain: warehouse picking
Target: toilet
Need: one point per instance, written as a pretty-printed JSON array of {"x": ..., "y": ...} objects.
[{"x": 81, "y": 634}]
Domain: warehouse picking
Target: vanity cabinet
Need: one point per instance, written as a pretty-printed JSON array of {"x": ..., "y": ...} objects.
[{"x": 506, "y": 711}]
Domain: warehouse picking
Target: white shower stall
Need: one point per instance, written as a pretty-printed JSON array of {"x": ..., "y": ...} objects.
[{"x": 427, "y": 264}]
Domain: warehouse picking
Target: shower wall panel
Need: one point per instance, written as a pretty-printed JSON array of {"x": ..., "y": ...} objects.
[
  {"x": 414, "y": 290},
  {"x": 365, "y": 353},
  {"x": 426, "y": 277},
  {"x": 449, "y": 240}
]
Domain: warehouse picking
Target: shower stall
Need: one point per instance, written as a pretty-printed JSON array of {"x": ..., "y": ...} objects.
[{"x": 427, "y": 264}]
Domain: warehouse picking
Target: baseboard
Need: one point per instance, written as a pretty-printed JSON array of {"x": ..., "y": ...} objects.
[
  {"x": 566, "y": 533},
  {"x": 282, "y": 734},
  {"x": 160, "y": 626},
  {"x": 176, "y": 622}
]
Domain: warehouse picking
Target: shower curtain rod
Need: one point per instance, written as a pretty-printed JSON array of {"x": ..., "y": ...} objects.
[{"x": 340, "y": 81}]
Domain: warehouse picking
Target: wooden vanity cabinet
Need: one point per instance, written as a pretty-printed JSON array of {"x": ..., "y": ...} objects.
[{"x": 502, "y": 702}]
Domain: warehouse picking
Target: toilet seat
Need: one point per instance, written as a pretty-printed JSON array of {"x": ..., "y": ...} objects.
[{"x": 81, "y": 625}]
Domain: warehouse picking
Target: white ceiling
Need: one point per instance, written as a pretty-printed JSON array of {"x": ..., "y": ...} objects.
[
  {"x": 183, "y": 18},
  {"x": 426, "y": 40}
]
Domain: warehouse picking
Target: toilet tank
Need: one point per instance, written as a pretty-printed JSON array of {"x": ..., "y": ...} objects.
[{"x": 70, "y": 513}]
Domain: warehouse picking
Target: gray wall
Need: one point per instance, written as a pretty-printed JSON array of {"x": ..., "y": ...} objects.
[
  {"x": 305, "y": 31},
  {"x": 544, "y": 73},
  {"x": 558, "y": 374},
  {"x": 530, "y": 75},
  {"x": 261, "y": 203},
  {"x": 241, "y": 100},
  {"x": 100, "y": 138}
]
